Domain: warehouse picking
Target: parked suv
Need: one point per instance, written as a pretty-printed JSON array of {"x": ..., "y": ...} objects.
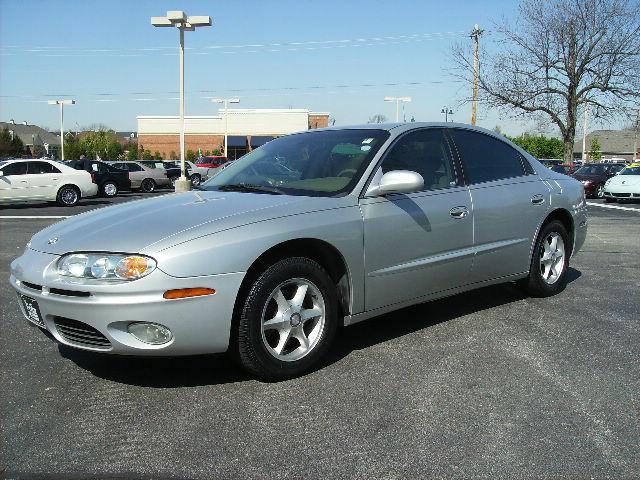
[{"x": 110, "y": 180}]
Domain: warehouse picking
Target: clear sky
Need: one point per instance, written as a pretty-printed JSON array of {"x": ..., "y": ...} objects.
[{"x": 333, "y": 56}]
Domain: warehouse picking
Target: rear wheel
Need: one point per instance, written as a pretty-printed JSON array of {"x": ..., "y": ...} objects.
[
  {"x": 148, "y": 185},
  {"x": 549, "y": 262},
  {"x": 109, "y": 189},
  {"x": 196, "y": 179},
  {"x": 68, "y": 196},
  {"x": 288, "y": 320}
]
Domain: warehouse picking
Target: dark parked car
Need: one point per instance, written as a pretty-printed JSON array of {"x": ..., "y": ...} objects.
[
  {"x": 110, "y": 180},
  {"x": 594, "y": 176},
  {"x": 173, "y": 171}
]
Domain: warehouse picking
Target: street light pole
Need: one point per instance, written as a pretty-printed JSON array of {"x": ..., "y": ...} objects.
[
  {"x": 62, "y": 103},
  {"x": 226, "y": 102},
  {"x": 398, "y": 100},
  {"x": 180, "y": 20},
  {"x": 446, "y": 111}
]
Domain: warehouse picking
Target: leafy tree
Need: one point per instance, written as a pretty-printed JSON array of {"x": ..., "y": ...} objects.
[
  {"x": 558, "y": 56},
  {"x": 191, "y": 156},
  {"x": 146, "y": 155},
  {"x": 173, "y": 155},
  {"x": 72, "y": 147},
  {"x": 10, "y": 147},
  {"x": 157, "y": 156},
  {"x": 595, "y": 152},
  {"x": 540, "y": 146},
  {"x": 132, "y": 153},
  {"x": 103, "y": 143},
  {"x": 216, "y": 152},
  {"x": 38, "y": 151}
]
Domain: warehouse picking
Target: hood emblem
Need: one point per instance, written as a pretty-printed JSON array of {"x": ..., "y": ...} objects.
[{"x": 52, "y": 240}]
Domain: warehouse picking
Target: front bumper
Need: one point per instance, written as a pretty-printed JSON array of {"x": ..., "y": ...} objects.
[
  {"x": 620, "y": 192},
  {"x": 198, "y": 325}
]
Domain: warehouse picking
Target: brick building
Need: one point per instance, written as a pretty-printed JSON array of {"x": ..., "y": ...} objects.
[{"x": 247, "y": 129}]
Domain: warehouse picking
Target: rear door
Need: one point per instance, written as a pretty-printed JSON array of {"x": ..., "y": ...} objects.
[
  {"x": 43, "y": 179},
  {"x": 419, "y": 243},
  {"x": 509, "y": 202}
]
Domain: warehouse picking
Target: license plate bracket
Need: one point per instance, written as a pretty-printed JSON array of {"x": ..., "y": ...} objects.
[{"x": 32, "y": 311}]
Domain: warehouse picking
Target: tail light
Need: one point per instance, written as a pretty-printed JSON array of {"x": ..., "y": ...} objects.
[{"x": 93, "y": 178}]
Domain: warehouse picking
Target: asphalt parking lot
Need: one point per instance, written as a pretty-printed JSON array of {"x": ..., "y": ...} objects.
[{"x": 484, "y": 384}]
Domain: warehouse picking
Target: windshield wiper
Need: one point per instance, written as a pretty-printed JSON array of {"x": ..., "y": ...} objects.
[{"x": 249, "y": 187}]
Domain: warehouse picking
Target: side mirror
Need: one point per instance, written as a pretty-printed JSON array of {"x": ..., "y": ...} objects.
[{"x": 396, "y": 181}]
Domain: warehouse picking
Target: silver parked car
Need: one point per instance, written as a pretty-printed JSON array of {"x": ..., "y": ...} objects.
[
  {"x": 309, "y": 232},
  {"x": 143, "y": 177}
]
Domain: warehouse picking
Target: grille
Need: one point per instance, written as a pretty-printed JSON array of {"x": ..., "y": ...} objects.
[
  {"x": 69, "y": 293},
  {"x": 79, "y": 333},
  {"x": 623, "y": 195},
  {"x": 32, "y": 286}
]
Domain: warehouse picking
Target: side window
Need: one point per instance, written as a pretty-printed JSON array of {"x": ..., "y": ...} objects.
[
  {"x": 425, "y": 152},
  {"x": 41, "y": 167},
  {"x": 16, "y": 168},
  {"x": 99, "y": 167},
  {"x": 487, "y": 158},
  {"x": 122, "y": 166},
  {"x": 134, "y": 167}
]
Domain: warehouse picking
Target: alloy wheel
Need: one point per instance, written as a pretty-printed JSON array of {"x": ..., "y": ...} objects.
[
  {"x": 110, "y": 189},
  {"x": 293, "y": 320},
  {"x": 552, "y": 258},
  {"x": 600, "y": 191},
  {"x": 69, "y": 196}
]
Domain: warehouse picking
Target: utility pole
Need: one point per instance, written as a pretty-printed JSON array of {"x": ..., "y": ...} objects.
[
  {"x": 475, "y": 35},
  {"x": 585, "y": 126}
]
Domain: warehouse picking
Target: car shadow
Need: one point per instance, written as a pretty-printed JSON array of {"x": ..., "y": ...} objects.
[
  {"x": 191, "y": 371},
  {"x": 27, "y": 205}
]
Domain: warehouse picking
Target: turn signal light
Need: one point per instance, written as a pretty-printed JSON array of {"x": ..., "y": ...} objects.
[{"x": 188, "y": 292}]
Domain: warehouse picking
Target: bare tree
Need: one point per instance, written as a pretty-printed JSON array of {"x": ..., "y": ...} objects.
[
  {"x": 377, "y": 118},
  {"x": 560, "y": 56}
]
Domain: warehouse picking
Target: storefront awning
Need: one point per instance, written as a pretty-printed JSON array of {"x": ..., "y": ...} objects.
[
  {"x": 236, "y": 141},
  {"x": 258, "y": 141}
]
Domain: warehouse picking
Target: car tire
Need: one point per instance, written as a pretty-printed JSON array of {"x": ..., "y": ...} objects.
[
  {"x": 148, "y": 185},
  {"x": 549, "y": 262},
  {"x": 173, "y": 181},
  {"x": 600, "y": 191},
  {"x": 287, "y": 320},
  {"x": 196, "y": 179},
  {"x": 109, "y": 189},
  {"x": 68, "y": 196}
]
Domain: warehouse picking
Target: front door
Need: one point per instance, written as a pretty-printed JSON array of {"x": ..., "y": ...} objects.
[
  {"x": 43, "y": 179},
  {"x": 419, "y": 243},
  {"x": 13, "y": 182}
]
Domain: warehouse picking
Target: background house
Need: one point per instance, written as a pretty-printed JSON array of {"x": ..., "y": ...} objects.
[
  {"x": 613, "y": 143},
  {"x": 37, "y": 141}
]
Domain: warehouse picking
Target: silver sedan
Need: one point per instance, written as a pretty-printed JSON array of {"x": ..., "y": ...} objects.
[{"x": 311, "y": 231}]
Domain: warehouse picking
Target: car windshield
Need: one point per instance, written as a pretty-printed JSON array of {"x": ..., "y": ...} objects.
[
  {"x": 591, "y": 170},
  {"x": 321, "y": 163},
  {"x": 631, "y": 171}
]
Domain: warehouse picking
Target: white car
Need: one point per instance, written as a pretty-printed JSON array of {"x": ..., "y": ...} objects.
[
  {"x": 199, "y": 174},
  {"x": 40, "y": 179},
  {"x": 625, "y": 185}
]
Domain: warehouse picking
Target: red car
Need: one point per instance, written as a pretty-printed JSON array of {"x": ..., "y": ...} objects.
[
  {"x": 211, "y": 162},
  {"x": 594, "y": 175}
]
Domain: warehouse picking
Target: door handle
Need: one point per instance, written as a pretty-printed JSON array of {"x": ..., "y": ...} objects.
[
  {"x": 459, "y": 212},
  {"x": 537, "y": 199}
]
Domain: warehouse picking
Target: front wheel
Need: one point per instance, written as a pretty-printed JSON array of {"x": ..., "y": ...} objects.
[
  {"x": 68, "y": 196},
  {"x": 287, "y": 321},
  {"x": 549, "y": 262},
  {"x": 600, "y": 191},
  {"x": 196, "y": 180}
]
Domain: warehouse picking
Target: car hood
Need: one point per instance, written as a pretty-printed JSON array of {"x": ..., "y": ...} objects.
[
  {"x": 150, "y": 225},
  {"x": 627, "y": 179}
]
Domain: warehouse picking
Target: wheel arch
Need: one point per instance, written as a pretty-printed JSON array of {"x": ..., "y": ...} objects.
[
  {"x": 321, "y": 251},
  {"x": 563, "y": 216},
  {"x": 72, "y": 185}
]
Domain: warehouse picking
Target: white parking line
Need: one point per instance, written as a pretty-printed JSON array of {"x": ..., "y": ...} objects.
[
  {"x": 33, "y": 217},
  {"x": 614, "y": 207}
]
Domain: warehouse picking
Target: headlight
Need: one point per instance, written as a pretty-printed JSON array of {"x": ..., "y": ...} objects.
[
  {"x": 586, "y": 182},
  {"x": 105, "y": 266}
]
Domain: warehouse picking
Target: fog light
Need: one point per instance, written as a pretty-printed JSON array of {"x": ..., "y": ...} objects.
[{"x": 151, "y": 333}]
